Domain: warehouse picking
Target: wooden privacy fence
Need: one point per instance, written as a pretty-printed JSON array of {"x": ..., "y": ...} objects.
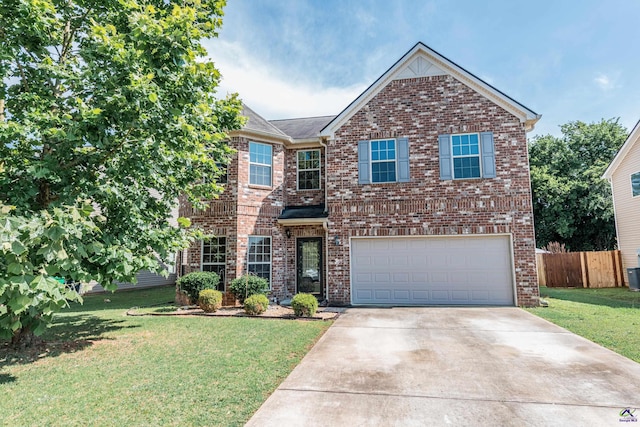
[{"x": 581, "y": 269}]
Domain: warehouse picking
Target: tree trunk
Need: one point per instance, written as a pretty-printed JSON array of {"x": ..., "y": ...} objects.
[{"x": 24, "y": 338}]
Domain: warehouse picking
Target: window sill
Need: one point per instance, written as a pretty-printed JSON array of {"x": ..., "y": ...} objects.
[{"x": 260, "y": 187}]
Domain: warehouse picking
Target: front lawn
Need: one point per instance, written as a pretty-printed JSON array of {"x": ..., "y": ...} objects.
[
  {"x": 607, "y": 316},
  {"x": 101, "y": 367}
]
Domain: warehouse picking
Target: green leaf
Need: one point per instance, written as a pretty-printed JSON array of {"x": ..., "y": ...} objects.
[
  {"x": 14, "y": 268},
  {"x": 153, "y": 97},
  {"x": 40, "y": 283}
]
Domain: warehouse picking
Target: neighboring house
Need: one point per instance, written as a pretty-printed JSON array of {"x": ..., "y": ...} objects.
[
  {"x": 417, "y": 193},
  {"x": 145, "y": 278},
  {"x": 624, "y": 175}
]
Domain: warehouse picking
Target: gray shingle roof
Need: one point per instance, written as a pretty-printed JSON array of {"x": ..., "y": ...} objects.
[
  {"x": 303, "y": 128},
  {"x": 255, "y": 122}
]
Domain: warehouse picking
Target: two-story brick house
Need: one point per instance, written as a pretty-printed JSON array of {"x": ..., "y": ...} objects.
[{"x": 417, "y": 193}]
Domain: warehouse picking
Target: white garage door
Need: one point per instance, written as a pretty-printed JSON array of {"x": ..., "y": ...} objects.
[{"x": 467, "y": 270}]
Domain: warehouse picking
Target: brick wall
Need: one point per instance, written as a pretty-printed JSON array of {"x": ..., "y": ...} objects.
[{"x": 421, "y": 109}]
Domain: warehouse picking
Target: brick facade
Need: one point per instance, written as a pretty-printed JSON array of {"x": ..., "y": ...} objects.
[{"x": 419, "y": 109}]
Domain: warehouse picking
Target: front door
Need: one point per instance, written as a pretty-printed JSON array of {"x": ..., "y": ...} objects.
[{"x": 309, "y": 266}]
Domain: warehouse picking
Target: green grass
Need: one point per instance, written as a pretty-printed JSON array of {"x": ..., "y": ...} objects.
[
  {"x": 608, "y": 316},
  {"x": 100, "y": 367}
]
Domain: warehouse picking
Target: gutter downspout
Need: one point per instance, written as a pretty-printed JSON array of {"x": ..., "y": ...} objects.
[{"x": 325, "y": 224}]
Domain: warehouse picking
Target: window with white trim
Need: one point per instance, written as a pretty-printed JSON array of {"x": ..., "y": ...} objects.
[
  {"x": 214, "y": 256},
  {"x": 309, "y": 170},
  {"x": 260, "y": 162},
  {"x": 383, "y": 160},
  {"x": 465, "y": 151},
  {"x": 259, "y": 257},
  {"x": 635, "y": 184}
]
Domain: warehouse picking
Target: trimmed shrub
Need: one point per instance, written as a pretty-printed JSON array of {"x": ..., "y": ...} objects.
[
  {"x": 210, "y": 300},
  {"x": 256, "y": 304},
  {"x": 193, "y": 283},
  {"x": 245, "y": 286},
  {"x": 304, "y": 305}
]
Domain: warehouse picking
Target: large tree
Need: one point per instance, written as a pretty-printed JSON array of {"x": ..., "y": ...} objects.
[
  {"x": 571, "y": 202},
  {"x": 107, "y": 115}
]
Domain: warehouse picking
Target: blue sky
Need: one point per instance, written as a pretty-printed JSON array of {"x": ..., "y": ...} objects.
[{"x": 565, "y": 59}]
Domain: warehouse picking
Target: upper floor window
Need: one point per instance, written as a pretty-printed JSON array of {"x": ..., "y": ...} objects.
[
  {"x": 309, "y": 170},
  {"x": 635, "y": 184},
  {"x": 214, "y": 252},
  {"x": 466, "y": 156},
  {"x": 383, "y": 160},
  {"x": 260, "y": 162}
]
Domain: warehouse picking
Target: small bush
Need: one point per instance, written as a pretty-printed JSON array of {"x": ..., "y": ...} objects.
[
  {"x": 193, "y": 283},
  {"x": 256, "y": 304},
  {"x": 210, "y": 300},
  {"x": 245, "y": 286},
  {"x": 304, "y": 305}
]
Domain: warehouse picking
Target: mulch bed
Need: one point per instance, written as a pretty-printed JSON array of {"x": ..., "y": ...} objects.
[{"x": 273, "y": 312}]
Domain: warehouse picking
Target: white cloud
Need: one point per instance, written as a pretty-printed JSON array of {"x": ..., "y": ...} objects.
[
  {"x": 274, "y": 94},
  {"x": 604, "y": 82}
]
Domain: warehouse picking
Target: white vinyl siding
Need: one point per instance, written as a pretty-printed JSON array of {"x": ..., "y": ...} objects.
[{"x": 627, "y": 208}]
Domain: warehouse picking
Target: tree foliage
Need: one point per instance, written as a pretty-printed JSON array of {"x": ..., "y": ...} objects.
[
  {"x": 571, "y": 202},
  {"x": 109, "y": 116}
]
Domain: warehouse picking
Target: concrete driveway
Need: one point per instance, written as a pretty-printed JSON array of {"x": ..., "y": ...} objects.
[{"x": 453, "y": 366}]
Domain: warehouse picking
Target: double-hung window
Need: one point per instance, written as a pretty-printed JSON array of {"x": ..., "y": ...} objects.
[
  {"x": 309, "y": 170},
  {"x": 467, "y": 156},
  {"x": 259, "y": 257},
  {"x": 260, "y": 162},
  {"x": 635, "y": 184},
  {"x": 214, "y": 257},
  {"x": 383, "y": 160}
]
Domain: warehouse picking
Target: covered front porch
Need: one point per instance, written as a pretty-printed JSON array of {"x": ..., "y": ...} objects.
[{"x": 305, "y": 231}]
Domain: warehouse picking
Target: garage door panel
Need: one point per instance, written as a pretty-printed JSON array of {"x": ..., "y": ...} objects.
[
  {"x": 472, "y": 270},
  {"x": 402, "y": 295},
  {"x": 400, "y": 278}
]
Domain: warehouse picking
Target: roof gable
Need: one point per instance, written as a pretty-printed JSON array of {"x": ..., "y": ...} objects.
[
  {"x": 632, "y": 139},
  {"x": 422, "y": 61}
]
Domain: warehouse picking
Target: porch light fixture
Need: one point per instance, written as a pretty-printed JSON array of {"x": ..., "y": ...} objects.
[
  {"x": 336, "y": 240},
  {"x": 288, "y": 233}
]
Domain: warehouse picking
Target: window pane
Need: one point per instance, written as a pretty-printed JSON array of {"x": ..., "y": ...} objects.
[
  {"x": 635, "y": 184},
  {"x": 466, "y": 167},
  {"x": 214, "y": 257},
  {"x": 259, "y": 257},
  {"x": 383, "y": 172},
  {"x": 260, "y": 175}
]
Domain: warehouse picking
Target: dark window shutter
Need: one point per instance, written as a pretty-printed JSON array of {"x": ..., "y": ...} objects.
[
  {"x": 444, "y": 145},
  {"x": 488, "y": 155},
  {"x": 403, "y": 160},
  {"x": 364, "y": 168}
]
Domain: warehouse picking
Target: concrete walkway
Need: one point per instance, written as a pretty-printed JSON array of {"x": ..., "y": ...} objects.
[{"x": 453, "y": 366}]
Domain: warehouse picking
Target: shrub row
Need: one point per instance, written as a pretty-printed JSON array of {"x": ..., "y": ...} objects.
[{"x": 249, "y": 290}]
